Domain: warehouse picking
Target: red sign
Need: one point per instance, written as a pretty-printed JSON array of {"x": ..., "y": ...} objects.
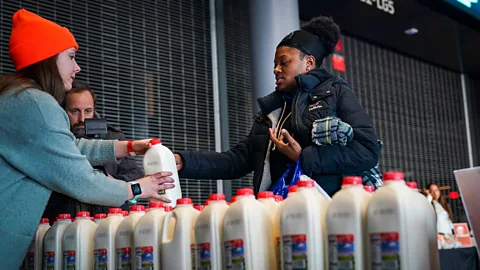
[{"x": 338, "y": 62}]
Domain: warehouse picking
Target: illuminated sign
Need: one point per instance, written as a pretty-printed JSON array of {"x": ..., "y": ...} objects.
[
  {"x": 387, "y": 6},
  {"x": 471, "y": 7}
]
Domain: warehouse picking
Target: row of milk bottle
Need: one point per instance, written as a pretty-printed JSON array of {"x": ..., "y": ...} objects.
[{"x": 393, "y": 228}]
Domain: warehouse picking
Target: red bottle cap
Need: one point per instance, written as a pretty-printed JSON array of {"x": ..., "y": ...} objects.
[
  {"x": 199, "y": 207},
  {"x": 265, "y": 194},
  {"x": 216, "y": 197},
  {"x": 100, "y": 216},
  {"x": 83, "y": 214},
  {"x": 369, "y": 189},
  {"x": 244, "y": 192},
  {"x": 155, "y": 205},
  {"x": 137, "y": 208},
  {"x": 393, "y": 176},
  {"x": 182, "y": 201},
  {"x": 352, "y": 180},
  {"x": 115, "y": 211},
  {"x": 64, "y": 216},
  {"x": 155, "y": 141},
  {"x": 412, "y": 185},
  {"x": 306, "y": 183}
]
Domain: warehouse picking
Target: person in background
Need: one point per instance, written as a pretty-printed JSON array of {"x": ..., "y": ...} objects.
[
  {"x": 80, "y": 104},
  {"x": 38, "y": 153},
  {"x": 442, "y": 209},
  {"x": 282, "y": 131}
]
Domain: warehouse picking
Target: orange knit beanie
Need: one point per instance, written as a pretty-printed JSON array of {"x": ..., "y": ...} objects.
[{"x": 34, "y": 39}]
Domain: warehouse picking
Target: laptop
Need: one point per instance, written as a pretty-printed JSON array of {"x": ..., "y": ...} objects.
[{"x": 468, "y": 181}]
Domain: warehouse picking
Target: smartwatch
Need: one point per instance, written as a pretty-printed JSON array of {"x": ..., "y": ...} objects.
[{"x": 136, "y": 190}]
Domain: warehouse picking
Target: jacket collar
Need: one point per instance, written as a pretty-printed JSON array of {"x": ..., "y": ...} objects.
[
  {"x": 317, "y": 82},
  {"x": 270, "y": 102}
]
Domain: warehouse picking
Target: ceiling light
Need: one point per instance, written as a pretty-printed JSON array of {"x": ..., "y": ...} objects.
[{"x": 411, "y": 31}]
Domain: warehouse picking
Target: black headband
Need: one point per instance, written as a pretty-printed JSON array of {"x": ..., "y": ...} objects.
[{"x": 306, "y": 42}]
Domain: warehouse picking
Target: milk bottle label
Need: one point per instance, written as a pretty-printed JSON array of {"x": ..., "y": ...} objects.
[
  {"x": 341, "y": 250},
  {"x": 101, "y": 259},
  {"x": 49, "y": 260},
  {"x": 295, "y": 251},
  {"x": 144, "y": 257},
  {"x": 385, "y": 251},
  {"x": 69, "y": 259},
  {"x": 234, "y": 254},
  {"x": 29, "y": 261},
  {"x": 203, "y": 261},
  {"x": 194, "y": 257},
  {"x": 124, "y": 258}
]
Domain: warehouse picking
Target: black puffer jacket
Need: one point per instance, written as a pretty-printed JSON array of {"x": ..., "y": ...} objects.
[
  {"x": 319, "y": 95},
  {"x": 125, "y": 170}
]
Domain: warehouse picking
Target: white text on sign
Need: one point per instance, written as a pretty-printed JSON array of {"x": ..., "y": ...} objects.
[{"x": 387, "y": 6}]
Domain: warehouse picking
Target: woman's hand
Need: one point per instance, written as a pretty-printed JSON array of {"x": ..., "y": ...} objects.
[
  {"x": 152, "y": 184},
  {"x": 141, "y": 146},
  {"x": 138, "y": 146},
  {"x": 290, "y": 149}
]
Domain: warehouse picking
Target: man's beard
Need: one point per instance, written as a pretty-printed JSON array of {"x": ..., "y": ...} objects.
[{"x": 78, "y": 130}]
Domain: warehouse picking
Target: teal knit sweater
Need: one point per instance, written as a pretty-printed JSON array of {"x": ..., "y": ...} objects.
[{"x": 38, "y": 154}]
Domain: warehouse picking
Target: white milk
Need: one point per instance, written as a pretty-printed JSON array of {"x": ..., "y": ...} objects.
[
  {"x": 269, "y": 202},
  {"x": 292, "y": 189},
  {"x": 401, "y": 228},
  {"x": 248, "y": 234},
  {"x": 125, "y": 251},
  {"x": 159, "y": 158},
  {"x": 97, "y": 218},
  {"x": 178, "y": 236},
  {"x": 346, "y": 226},
  {"x": 302, "y": 226},
  {"x": 78, "y": 243},
  {"x": 208, "y": 234},
  {"x": 52, "y": 244},
  {"x": 104, "y": 240},
  {"x": 34, "y": 257},
  {"x": 147, "y": 238}
]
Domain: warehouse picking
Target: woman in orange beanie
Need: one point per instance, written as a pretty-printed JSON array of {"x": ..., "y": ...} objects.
[{"x": 38, "y": 153}]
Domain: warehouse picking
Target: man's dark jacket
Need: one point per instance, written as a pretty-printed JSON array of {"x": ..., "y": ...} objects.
[{"x": 319, "y": 95}]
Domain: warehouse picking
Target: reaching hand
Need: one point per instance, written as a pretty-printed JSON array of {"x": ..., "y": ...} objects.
[
  {"x": 179, "y": 162},
  {"x": 152, "y": 184},
  {"x": 290, "y": 149},
  {"x": 141, "y": 146}
]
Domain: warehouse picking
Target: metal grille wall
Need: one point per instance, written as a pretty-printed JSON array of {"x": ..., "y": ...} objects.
[
  {"x": 417, "y": 109},
  {"x": 149, "y": 63},
  {"x": 237, "y": 50},
  {"x": 474, "y": 90}
]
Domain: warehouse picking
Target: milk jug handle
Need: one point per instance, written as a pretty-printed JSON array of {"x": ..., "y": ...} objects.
[{"x": 165, "y": 228}]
